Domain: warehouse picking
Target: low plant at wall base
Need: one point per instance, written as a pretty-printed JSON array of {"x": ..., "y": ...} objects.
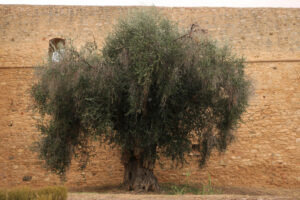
[
  {"x": 188, "y": 188},
  {"x": 26, "y": 193},
  {"x": 176, "y": 189},
  {"x": 150, "y": 91}
]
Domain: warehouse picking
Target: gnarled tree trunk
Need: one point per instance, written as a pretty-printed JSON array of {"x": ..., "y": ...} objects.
[{"x": 138, "y": 174}]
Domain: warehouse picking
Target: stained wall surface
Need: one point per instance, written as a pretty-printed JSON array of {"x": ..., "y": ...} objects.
[{"x": 267, "y": 150}]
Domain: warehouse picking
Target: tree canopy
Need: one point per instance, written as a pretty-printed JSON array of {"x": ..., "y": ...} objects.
[{"x": 150, "y": 89}]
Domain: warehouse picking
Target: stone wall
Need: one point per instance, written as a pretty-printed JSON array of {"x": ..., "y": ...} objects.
[{"x": 266, "y": 152}]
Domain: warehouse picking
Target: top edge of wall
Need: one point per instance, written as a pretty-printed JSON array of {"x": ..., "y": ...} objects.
[{"x": 135, "y": 6}]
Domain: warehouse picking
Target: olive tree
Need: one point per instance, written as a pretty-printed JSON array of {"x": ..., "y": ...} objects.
[{"x": 150, "y": 91}]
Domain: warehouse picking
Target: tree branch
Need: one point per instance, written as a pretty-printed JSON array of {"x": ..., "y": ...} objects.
[{"x": 192, "y": 30}]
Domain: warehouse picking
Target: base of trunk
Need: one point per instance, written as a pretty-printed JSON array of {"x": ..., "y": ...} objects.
[{"x": 139, "y": 175}]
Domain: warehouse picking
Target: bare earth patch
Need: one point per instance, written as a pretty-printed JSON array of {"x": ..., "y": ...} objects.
[
  {"x": 99, "y": 196},
  {"x": 227, "y": 193}
]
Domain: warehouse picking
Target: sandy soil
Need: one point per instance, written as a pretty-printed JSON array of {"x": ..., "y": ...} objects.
[
  {"x": 227, "y": 193},
  {"x": 99, "y": 196}
]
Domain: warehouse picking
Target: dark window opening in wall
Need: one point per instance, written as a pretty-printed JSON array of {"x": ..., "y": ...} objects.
[{"x": 56, "y": 49}]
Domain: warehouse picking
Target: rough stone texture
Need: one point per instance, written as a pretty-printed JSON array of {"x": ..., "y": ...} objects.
[{"x": 266, "y": 152}]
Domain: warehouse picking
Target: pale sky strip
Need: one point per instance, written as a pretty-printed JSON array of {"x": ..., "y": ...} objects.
[{"x": 168, "y": 3}]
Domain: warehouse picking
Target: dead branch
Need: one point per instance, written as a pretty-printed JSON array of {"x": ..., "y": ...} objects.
[{"x": 192, "y": 30}]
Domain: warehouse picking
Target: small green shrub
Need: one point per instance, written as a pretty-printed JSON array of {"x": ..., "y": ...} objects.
[
  {"x": 174, "y": 189},
  {"x": 178, "y": 189},
  {"x": 209, "y": 189},
  {"x": 188, "y": 188},
  {"x": 181, "y": 189},
  {"x": 25, "y": 193},
  {"x": 2, "y": 194},
  {"x": 52, "y": 193},
  {"x": 44, "y": 197}
]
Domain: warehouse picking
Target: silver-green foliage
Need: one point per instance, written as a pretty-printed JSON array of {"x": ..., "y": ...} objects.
[
  {"x": 148, "y": 88},
  {"x": 26, "y": 193}
]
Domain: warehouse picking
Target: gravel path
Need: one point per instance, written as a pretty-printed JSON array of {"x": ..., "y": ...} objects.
[{"x": 97, "y": 196}]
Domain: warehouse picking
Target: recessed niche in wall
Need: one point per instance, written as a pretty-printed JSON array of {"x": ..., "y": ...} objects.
[{"x": 56, "y": 49}]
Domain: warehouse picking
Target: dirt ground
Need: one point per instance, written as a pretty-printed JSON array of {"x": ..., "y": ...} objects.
[
  {"x": 230, "y": 193},
  {"x": 99, "y": 196}
]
